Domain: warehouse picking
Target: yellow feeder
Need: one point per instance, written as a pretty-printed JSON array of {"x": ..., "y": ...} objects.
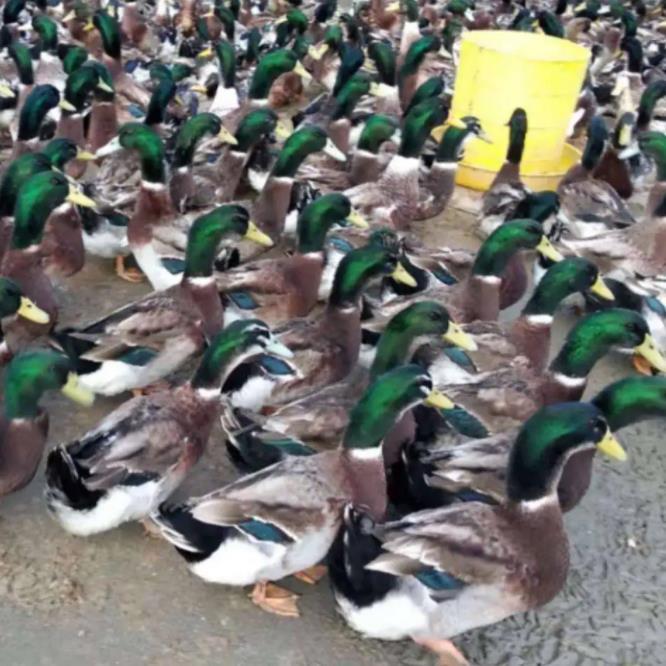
[{"x": 502, "y": 70}]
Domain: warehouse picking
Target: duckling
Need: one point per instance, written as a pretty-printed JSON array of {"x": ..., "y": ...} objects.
[
  {"x": 129, "y": 463},
  {"x": 24, "y": 424}
]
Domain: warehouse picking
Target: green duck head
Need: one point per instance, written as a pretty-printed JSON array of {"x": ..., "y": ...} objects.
[
  {"x": 652, "y": 93},
  {"x": 32, "y": 373},
  {"x": 253, "y": 43},
  {"x": 654, "y": 145},
  {"x": 432, "y": 87},
  {"x": 547, "y": 440},
  {"x": 378, "y": 129},
  {"x": 20, "y": 54},
  {"x": 37, "y": 198},
  {"x": 236, "y": 343},
  {"x": 317, "y": 218},
  {"x": 387, "y": 398},
  {"x": 12, "y": 10},
  {"x": 38, "y": 103},
  {"x": 349, "y": 95},
  {"x": 268, "y": 69},
  {"x": 104, "y": 90},
  {"x": 416, "y": 54},
  {"x": 226, "y": 17},
  {"x": 425, "y": 318},
  {"x": 303, "y": 142},
  {"x": 538, "y": 206},
  {"x": 226, "y": 57},
  {"x": 79, "y": 88},
  {"x": 47, "y": 30},
  {"x": 550, "y": 24},
  {"x": 632, "y": 400},
  {"x": 351, "y": 60},
  {"x": 253, "y": 127},
  {"x": 597, "y": 137},
  {"x": 331, "y": 41},
  {"x": 377, "y": 259},
  {"x": 192, "y": 132},
  {"x": 162, "y": 95},
  {"x": 294, "y": 22},
  {"x": 457, "y": 134},
  {"x": 566, "y": 277},
  {"x": 13, "y": 302},
  {"x": 600, "y": 332},
  {"x": 384, "y": 57},
  {"x": 418, "y": 125},
  {"x": 145, "y": 141},
  {"x": 18, "y": 171},
  {"x": 109, "y": 30},
  {"x": 208, "y": 230},
  {"x": 301, "y": 47},
  {"x": 505, "y": 241},
  {"x": 72, "y": 57},
  {"x": 60, "y": 151},
  {"x": 517, "y": 135}
]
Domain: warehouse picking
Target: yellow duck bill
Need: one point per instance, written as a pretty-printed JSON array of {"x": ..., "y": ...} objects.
[
  {"x": 77, "y": 393},
  {"x": 402, "y": 276},
  {"x": 608, "y": 445},
  {"x": 28, "y": 310},
  {"x": 438, "y": 400},
  {"x": 79, "y": 199},
  {"x": 256, "y": 235},
  {"x": 546, "y": 249},
  {"x": 651, "y": 353},
  {"x": 456, "y": 336},
  {"x": 600, "y": 289}
]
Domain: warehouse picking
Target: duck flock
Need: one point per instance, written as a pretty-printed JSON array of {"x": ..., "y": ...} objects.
[{"x": 269, "y": 168}]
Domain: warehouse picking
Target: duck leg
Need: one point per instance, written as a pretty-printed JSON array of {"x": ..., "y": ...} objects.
[
  {"x": 311, "y": 575},
  {"x": 274, "y": 599},
  {"x": 448, "y": 653},
  {"x": 130, "y": 274},
  {"x": 157, "y": 387}
]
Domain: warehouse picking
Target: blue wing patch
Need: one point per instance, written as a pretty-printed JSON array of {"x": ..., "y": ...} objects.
[
  {"x": 274, "y": 365},
  {"x": 264, "y": 531},
  {"x": 460, "y": 357},
  {"x": 243, "y": 300},
  {"x": 174, "y": 265},
  {"x": 655, "y": 305},
  {"x": 444, "y": 276},
  {"x": 136, "y": 111},
  {"x": 439, "y": 581},
  {"x": 138, "y": 356},
  {"x": 290, "y": 447},
  {"x": 465, "y": 423},
  {"x": 341, "y": 244}
]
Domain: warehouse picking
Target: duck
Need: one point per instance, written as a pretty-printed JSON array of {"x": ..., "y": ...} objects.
[
  {"x": 477, "y": 294},
  {"x": 409, "y": 70},
  {"x": 143, "y": 342},
  {"x": 591, "y": 206},
  {"x": 613, "y": 167},
  {"x": 506, "y": 188},
  {"x": 182, "y": 185},
  {"x": 414, "y": 562},
  {"x": 396, "y": 196},
  {"x": 326, "y": 346},
  {"x": 14, "y": 305},
  {"x": 284, "y": 518},
  {"x": 271, "y": 208},
  {"x": 49, "y": 66},
  {"x": 477, "y": 470},
  {"x": 634, "y": 252},
  {"x": 40, "y": 198},
  {"x": 321, "y": 417},
  {"x": 529, "y": 334},
  {"x": 513, "y": 391},
  {"x": 24, "y": 423},
  {"x": 130, "y": 462},
  {"x": 280, "y": 289}
]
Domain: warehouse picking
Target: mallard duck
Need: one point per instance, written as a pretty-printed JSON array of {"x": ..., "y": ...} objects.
[
  {"x": 409, "y": 70},
  {"x": 321, "y": 417},
  {"x": 507, "y": 188},
  {"x": 513, "y": 391},
  {"x": 283, "y": 519},
  {"x": 128, "y": 464},
  {"x": 182, "y": 184},
  {"x": 327, "y": 346},
  {"x": 653, "y": 92},
  {"x": 396, "y": 196},
  {"x": 38, "y": 103},
  {"x": 15, "y": 305},
  {"x": 24, "y": 424},
  {"x": 272, "y": 206},
  {"x": 613, "y": 168},
  {"x": 476, "y": 470},
  {"x": 441, "y": 179},
  {"x": 529, "y": 334},
  {"x": 280, "y": 289},
  {"x": 143, "y": 342},
  {"x": 477, "y": 296},
  {"x": 591, "y": 206},
  {"x": 453, "y": 569},
  {"x": 49, "y": 66},
  {"x": 40, "y": 198},
  {"x": 636, "y": 252},
  {"x": 226, "y": 96}
]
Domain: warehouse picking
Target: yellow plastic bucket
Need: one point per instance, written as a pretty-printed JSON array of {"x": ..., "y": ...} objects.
[{"x": 501, "y": 70}]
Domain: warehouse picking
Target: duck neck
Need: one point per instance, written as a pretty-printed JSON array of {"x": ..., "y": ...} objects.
[
  {"x": 203, "y": 292},
  {"x": 482, "y": 297},
  {"x": 365, "y": 167},
  {"x": 339, "y": 131},
  {"x": 531, "y": 336},
  {"x": 103, "y": 124},
  {"x": 153, "y": 205}
]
